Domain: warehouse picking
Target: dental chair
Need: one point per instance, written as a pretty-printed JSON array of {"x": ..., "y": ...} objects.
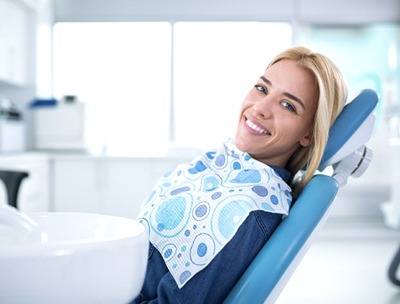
[
  {"x": 12, "y": 181},
  {"x": 347, "y": 155},
  {"x": 393, "y": 269}
]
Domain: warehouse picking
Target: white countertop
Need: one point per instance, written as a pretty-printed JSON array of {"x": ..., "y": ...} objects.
[{"x": 83, "y": 155}]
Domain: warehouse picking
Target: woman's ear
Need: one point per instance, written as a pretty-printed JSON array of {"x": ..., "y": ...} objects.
[{"x": 306, "y": 140}]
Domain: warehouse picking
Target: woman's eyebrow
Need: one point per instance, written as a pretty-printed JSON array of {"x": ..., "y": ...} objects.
[{"x": 291, "y": 96}]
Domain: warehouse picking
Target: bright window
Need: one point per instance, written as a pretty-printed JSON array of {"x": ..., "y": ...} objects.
[
  {"x": 124, "y": 73},
  {"x": 215, "y": 65}
]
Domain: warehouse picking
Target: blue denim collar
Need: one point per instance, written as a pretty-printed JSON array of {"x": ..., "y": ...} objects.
[{"x": 282, "y": 172}]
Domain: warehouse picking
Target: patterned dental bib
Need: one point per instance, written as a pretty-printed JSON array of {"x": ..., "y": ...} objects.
[{"x": 195, "y": 210}]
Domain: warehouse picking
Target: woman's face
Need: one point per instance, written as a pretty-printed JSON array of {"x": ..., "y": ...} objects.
[{"x": 277, "y": 115}]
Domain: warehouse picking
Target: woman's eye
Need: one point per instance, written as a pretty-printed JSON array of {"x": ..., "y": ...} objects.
[
  {"x": 261, "y": 88},
  {"x": 289, "y": 106}
]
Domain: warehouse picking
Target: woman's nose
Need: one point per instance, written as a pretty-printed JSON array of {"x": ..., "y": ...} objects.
[{"x": 263, "y": 107}]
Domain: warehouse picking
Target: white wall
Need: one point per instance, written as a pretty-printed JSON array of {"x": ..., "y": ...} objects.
[{"x": 321, "y": 11}]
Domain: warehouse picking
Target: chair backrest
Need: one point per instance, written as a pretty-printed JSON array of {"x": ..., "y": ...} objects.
[{"x": 345, "y": 152}]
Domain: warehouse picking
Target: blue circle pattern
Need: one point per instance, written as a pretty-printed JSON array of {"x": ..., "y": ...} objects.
[{"x": 196, "y": 209}]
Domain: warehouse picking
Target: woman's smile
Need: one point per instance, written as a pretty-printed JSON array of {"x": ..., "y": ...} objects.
[{"x": 256, "y": 128}]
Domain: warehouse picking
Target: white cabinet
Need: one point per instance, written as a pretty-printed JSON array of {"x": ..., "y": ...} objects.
[
  {"x": 108, "y": 185},
  {"x": 85, "y": 183},
  {"x": 15, "y": 17},
  {"x": 34, "y": 193}
]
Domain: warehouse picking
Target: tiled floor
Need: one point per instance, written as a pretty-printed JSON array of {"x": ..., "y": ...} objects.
[{"x": 347, "y": 264}]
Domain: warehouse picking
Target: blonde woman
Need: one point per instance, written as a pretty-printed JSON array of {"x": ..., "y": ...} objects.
[{"x": 207, "y": 220}]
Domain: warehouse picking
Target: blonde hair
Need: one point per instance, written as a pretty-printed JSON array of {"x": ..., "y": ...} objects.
[{"x": 332, "y": 95}]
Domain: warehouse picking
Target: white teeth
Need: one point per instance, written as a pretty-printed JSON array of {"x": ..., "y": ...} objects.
[{"x": 256, "y": 128}]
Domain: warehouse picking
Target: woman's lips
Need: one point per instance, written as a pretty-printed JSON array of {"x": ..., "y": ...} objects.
[{"x": 256, "y": 128}]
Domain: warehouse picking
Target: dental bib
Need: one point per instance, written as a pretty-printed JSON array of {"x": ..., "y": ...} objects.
[{"x": 195, "y": 210}]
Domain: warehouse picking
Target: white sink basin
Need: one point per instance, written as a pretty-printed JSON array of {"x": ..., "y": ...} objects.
[{"x": 71, "y": 258}]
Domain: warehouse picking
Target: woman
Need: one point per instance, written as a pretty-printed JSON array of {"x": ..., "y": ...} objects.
[{"x": 207, "y": 220}]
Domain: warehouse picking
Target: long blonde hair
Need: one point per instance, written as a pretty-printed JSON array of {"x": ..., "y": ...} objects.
[{"x": 332, "y": 95}]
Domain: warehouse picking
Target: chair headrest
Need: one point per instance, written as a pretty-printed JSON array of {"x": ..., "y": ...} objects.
[{"x": 351, "y": 130}]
